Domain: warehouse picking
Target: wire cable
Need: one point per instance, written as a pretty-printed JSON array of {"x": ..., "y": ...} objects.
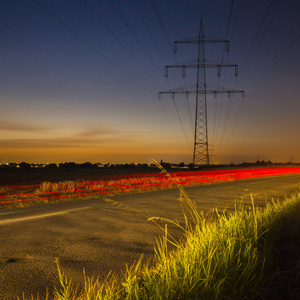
[
  {"x": 259, "y": 42},
  {"x": 149, "y": 31},
  {"x": 218, "y": 116},
  {"x": 163, "y": 28},
  {"x": 101, "y": 20},
  {"x": 252, "y": 45},
  {"x": 105, "y": 58},
  {"x": 147, "y": 27},
  {"x": 121, "y": 43},
  {"x": 261, "y": 80},
  {"x": 93, "y": 48},
  {"x": 235, "y": 20},
  {"x": 181, "y": 124},
  {"x": 168, "y": 40},
  {"x": 246, "y": 57},
  {"x": 257, "y": 33},
  {"x": 275, "y": 64},
  {"x": 121, "y": 16}
]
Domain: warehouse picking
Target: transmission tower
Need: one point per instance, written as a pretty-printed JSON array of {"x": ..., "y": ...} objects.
[{"x": 201, "y": 89}]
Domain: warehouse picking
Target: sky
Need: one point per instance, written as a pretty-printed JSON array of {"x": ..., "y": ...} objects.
[{"x": 80, "y": 80}]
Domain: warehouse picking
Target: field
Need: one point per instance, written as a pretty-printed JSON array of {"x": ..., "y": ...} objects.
[
  {"x": 127, "y": 183},
  {"x": 219, "y": 255},
  {"x": 251, "y": 253}
]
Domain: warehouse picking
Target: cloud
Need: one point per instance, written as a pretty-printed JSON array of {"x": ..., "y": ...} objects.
[
  {"x": 72, "y": 136},
  {"x": 94, "y": 132},
  {"x": 21, "y": 127},
  {"x": 87, "y": 139},
  {"x": 52, "y": 143},
  {"x": 75, "y": 129}
]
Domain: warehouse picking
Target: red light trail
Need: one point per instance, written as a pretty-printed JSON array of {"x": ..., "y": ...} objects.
[{"x": 130, "y": 183}]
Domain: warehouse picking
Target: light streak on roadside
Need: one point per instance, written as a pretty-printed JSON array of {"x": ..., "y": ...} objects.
[{"x": 131, "y": 183}]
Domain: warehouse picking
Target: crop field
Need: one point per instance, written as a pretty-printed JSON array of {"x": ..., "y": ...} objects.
[{"x": 128, "y": 183}]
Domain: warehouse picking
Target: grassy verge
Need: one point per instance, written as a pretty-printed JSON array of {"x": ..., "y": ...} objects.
[{"x": 252, "y": 253}]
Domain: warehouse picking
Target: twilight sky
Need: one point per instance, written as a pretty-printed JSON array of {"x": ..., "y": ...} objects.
[{"x": 80, "y": 78}]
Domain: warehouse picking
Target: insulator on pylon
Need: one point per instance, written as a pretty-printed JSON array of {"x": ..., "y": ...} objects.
[
  {"x": 187, "y": 94},
  {"x": 227, "y": 46},
  {"x": 159, "y": 95},
  {"x": 215, "y": 94},
  {"x": 183, "y": 71},
  {"x": 236, "y": 73},
  {"x": 218, "y": 71},
  {"x": 166, "y": 72},
  {"x": 173, "y": 95},
  {"x": 243, "y": 94},
  {"x": 175, "y": 47},
  {"x": 229, "y": 94}
]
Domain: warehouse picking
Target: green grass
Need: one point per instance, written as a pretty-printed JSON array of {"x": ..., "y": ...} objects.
[{"x": 252, "y": 253}]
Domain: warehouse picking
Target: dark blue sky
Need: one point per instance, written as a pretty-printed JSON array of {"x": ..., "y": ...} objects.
[{"x": 79, "y": 80}]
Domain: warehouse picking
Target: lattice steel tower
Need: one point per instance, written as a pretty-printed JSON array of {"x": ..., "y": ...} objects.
[{"x": 201, "y": 89}]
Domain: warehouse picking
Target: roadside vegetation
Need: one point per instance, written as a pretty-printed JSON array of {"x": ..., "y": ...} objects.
[{"x": 251, "y": 253}]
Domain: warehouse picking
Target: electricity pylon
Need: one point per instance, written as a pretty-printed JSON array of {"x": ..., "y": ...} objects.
[{"x": 201, "y": 89}]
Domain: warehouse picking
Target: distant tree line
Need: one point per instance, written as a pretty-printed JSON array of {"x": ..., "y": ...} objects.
[{"x": 166, "y": 165}]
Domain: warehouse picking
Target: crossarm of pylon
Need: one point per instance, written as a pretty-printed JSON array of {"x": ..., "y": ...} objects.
[
  {"x": 207, "y": 64},
  {"x": 205, "y": 39},
  {"x": 202, "y": 39},
  {"x": 192, "y": 89}
]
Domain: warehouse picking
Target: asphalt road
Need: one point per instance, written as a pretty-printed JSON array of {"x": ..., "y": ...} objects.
[{"x": 97, "y": 236}]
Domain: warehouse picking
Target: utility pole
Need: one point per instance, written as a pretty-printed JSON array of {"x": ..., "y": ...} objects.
[{"x": 201, "y": 89}]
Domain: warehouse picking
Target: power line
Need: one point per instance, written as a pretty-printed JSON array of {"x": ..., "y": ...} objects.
[
  {"x": 105, "y": 58},
  {"x": 163, "y": 28},
  {"x": 257, "y": 46},
  {"x": 234, "y": 85},
  {"x": 178, "y": 140},
  {"x": 246, "y": 57},
  {"x": 166, "y": 36},
  {"x": 218, "y": 117},
  {"x": 151, "y": 35},
  {"x": 149, "y": 31},
  {"x": 276, "y": 62},
  {"x": 235, "y": 20},
  {"x": 260, "y": 40},
  {"x": 93, "y": 48},
  {"x": 189, "y": 112},
  {"x": 147, "y": 27},
  {"x": 121, "y": 16},
  {"x": 226, "y": 120},
  {"x": 181, "y": 123},
  {"x": 122, "y": 44},
  {"x": 262, "y": 78},
  {"x": 257, "y": 33}
]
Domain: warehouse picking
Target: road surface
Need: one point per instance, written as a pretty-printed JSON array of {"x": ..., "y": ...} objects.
[{"x": 96, "y": 236}]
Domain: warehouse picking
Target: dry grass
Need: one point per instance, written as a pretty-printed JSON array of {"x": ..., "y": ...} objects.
[{"x": 235, "y": 257}]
